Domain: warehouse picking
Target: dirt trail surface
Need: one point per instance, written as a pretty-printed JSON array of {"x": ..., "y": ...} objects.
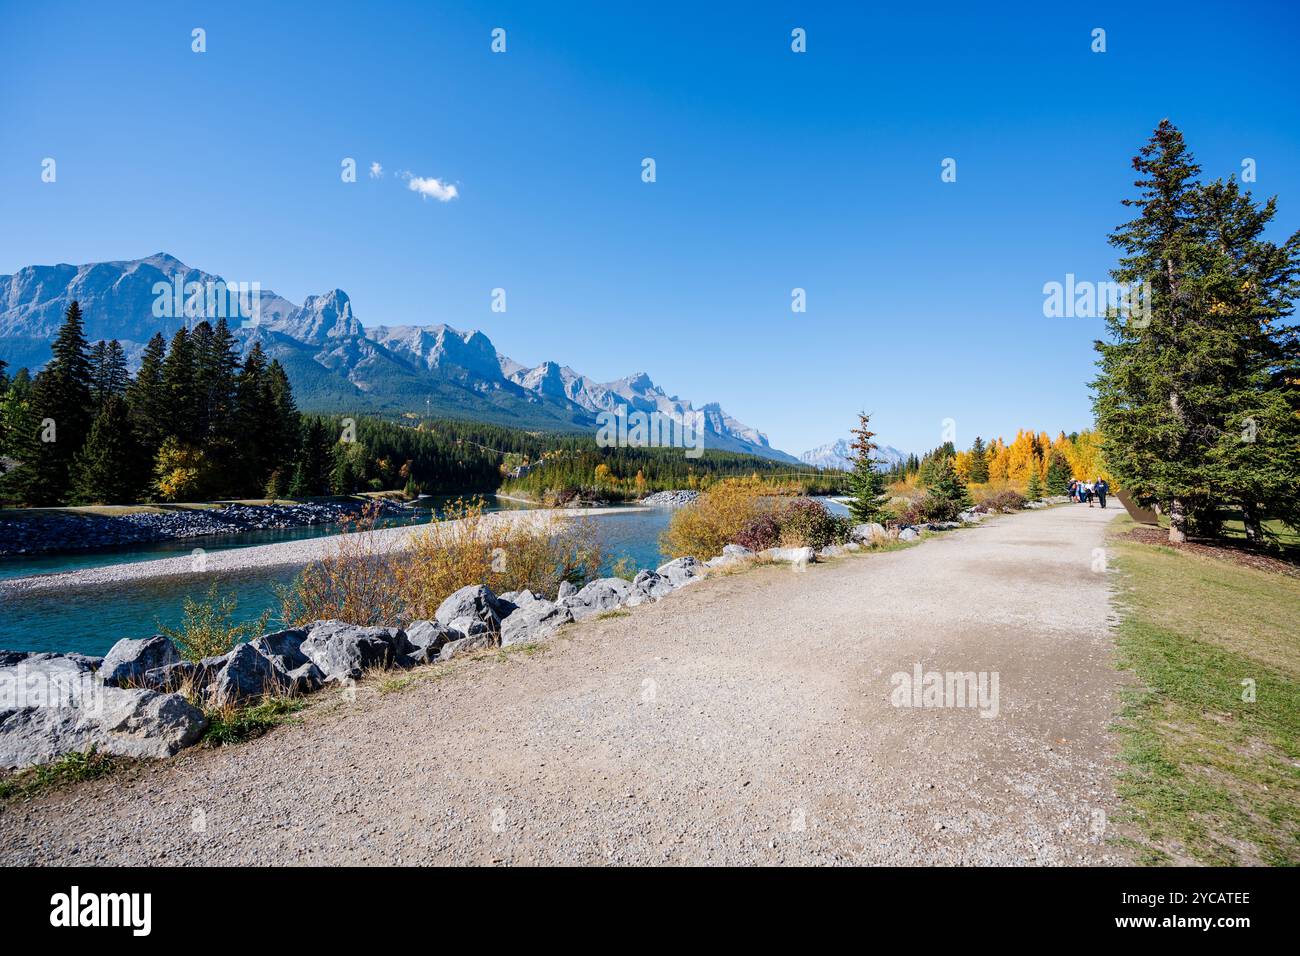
[{"x": 745, "y": 719}]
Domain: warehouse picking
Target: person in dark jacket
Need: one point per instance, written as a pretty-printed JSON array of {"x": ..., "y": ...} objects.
[{"x": 1102, "y": 490}]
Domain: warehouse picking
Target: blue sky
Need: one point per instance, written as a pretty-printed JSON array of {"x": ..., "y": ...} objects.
[{"x": 775, "y": 170}]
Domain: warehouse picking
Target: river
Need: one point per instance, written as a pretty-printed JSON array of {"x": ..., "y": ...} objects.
[{"x": 90, "y": 619}]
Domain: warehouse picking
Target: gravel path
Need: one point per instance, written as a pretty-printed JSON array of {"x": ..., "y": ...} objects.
[{"x": 746, "y": 719}]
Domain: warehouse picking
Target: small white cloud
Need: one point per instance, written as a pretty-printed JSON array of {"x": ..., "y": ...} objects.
[
  {"x": 431, "y": 188},
  {"x": 376, "y": 171}
]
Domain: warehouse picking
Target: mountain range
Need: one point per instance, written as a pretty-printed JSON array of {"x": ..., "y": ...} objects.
[
  {"x": 837, "y": 454},
  {"x": 336, "y": 364}
]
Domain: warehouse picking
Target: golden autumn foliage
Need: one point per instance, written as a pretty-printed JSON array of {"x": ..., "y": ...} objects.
[{"x": 1011, "y": 464}]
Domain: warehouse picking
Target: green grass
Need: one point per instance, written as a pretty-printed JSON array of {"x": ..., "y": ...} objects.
[
  {"x": 1209, "y": 777},
  {"x": 232, "y": 726},
  {"x": 67, "y": 769}
]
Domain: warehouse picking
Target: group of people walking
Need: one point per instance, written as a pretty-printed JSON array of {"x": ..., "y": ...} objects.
[{"x": 1082, "y": 491}]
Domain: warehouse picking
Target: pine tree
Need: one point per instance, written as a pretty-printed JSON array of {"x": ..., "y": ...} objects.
[
  {"x": 61, "y": 403},
  {"x": 1254, "y": 458},
  {"x": 979, "y": 462},
  {"x": 1058, "y": 474},
  {"x": 254, "y": 421},
  {"x": 108, "y": 371},
  {"x": 147, "y": 399},
  {"x": 1035, "y": 489},
  {"x": 179, "y": 370},
  {"x": 866, "y": 484},
  {"x": 286, "y": 423},
  {"x": 1199, "y": 406},
  {"x": 1152, "y": 391},
  {"x": 107, "y": 468},
  {"x": 311, "y": 475},
  {"x": 949, "y": 488}
]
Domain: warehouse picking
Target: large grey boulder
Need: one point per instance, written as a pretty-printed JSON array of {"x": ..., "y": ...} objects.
[
  {"x": 648, "y": 586},
  {"x": 682, "y": 571},
  {"x": 474, "y": 600},
  {"x": 343, "y": 650},
  {"x": 567, "y": 589},
  {"x": 129, "y": 660},
  {"x": 737, "y": 551},
  {"x": 467, "y": 626},
  {"x": 465, "y": 645},
  {"x": 534, "y": 621},
  {"x": 798, "y": 556},
  {"x": 868, "y": 532},
  {"x": 605, "y": 594},
  {"x": 306, "y": 679},
  {"x": 908, "y": 534},
  {"x": 283, "y": 648},
  {"x": 427, "y": 639},
  {"x": 249, "y": 675},
  {"x": 56, "y": 706}
]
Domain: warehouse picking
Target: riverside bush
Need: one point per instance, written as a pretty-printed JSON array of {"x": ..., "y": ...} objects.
[
  {"x": 1004, "y": 500},
  {"x": 367, "y": 582},
  {"x": 806, "y": 523},
  {"x": 206, "y": 629},
  {"x": 535, "y": 552},
  {"x": 717, "y": 518}
]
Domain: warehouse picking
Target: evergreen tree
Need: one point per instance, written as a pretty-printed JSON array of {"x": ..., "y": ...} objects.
[
  {"x": 866, "y": 484},
  {"x": 146, "y": 398},
  {"x": 311, "y": 476},
  {"x": 4, "y": 378},
  {"x": 1155, "y": 387},
  {"x": 254, "y": 419},
  {"x": 979, "y": 462},
  {"x": 1254, "y": 459},
  {"x": 1058, "y": 474},
  {"x": 179, "y": 371},
  {"x": 61, "y": 402},
  {"x": 1035, "y": 489},
  {"x": 1198, "y": 405},
  {"x": 949, "y": 487},
  {"x": 217, "y": 371},
  {"x": 107, "y": 468},
  {"x": 286, "y": 423},
  {"x": 108, "y": 371}
]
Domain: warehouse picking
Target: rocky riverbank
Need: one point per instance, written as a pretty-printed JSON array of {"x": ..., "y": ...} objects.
[
  {"x": 66, "y": 531},
  {"x": 669, "y": 499}
]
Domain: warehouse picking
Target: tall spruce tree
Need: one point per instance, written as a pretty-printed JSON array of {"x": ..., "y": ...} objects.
[
  {"x": 1254, "y": 459},
  {"x": 1058, "y": 474},
  {"x": 949, "y": 489},
  {"x": 254, "y": 417},
  {"x": 107, "y": 469},
  {"x": 108, "y": 371},
  {"x": 866, "y": 484},
  {"x": 1152, "y": 394},
  {"x": 979, "y": 462},
  {"x": 147, "y": 399},
  {"x": 1182, "y": 393},
  {"x": 179, "y": 371},
  {"x": 61, "y": 411}
]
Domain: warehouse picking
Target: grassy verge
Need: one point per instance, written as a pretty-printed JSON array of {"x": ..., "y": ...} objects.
[
  {"x": 235, "y": 725},
  {"x": 1211, "y": 737},
  {"x": 69, "y": 769}
]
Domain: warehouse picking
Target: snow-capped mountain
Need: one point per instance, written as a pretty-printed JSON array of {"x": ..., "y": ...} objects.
[
  {"x": 334, "y": 362},
  {"x": 838, "y": 454}
]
